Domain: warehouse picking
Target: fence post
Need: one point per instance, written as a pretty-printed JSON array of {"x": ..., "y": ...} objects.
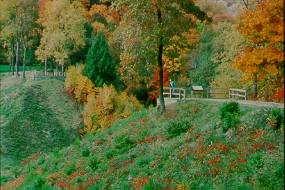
[
  {"x": 208, "y": 92},
  {"x": 179, "y": 93},
  {"x": 170, "y": 92}
]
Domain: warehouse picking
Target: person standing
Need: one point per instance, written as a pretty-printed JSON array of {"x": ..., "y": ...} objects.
[{"x": 172, "y": 85}]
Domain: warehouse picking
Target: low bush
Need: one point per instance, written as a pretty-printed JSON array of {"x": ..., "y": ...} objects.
[
  {"x": 107, "y": 106},
  {"x": 275, "y": 118},
  {"x": 93, "y": 163},
  {"x": 229, "y": 115},
  {"x": 177, "y": 127},
  {"x": 85, "y": 152},
  {"x": 268, "y": 117},
  {"x": 69, "y": 169},
  {"x": 78, "y": 85},
  {"x": 231, "y": 107},
  {"x": 123, "y": 143}
]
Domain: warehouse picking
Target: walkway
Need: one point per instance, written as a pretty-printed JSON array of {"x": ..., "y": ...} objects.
[{"x": 172, "y": 96}]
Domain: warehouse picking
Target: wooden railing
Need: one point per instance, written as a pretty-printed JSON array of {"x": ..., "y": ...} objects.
[
  {"x": 174, "y": 93},
  {"x": 218, "y": 93},
  {"x": 41, "y": 75},
  {"x": 237, "y": 93}
]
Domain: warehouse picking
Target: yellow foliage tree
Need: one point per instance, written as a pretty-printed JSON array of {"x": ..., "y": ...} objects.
[
  {"x": 107, "y": 106},
  {"x": 178, "y": 48},
  {"x": 78, "y": 85}
]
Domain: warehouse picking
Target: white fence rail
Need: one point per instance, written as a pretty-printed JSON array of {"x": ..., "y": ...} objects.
[
  {"x": 237, "y": 93},
  {"x": 174, "y": 93}
]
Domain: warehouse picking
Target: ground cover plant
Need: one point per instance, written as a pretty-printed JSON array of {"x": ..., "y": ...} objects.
[
  {"x": 142, "y": 152},
  {"x": 81, "y": 122}
]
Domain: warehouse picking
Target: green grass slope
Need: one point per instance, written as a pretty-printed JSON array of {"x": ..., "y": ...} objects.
[
  {"x": 183, "y": 149},
  {"x": 36, "y": 116}
]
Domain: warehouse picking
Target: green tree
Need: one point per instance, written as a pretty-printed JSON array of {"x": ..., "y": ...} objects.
[
  {"x": 100, "y": 67},
  {"x": 203, "y": 70},
  {"x": 159, "y": 21}
]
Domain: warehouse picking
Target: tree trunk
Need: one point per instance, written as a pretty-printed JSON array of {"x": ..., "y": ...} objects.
[
  {"x": 45, "y": 65},
  {"x": 255, "y": 86},
  {"x": 11, "y": 70},
  {"x": 62, "y": 70},
  {"x": 13, "y": 64},
  {"x": 24, "y": 62},
  {"x": 10, "y": 65},
  {"x": 160, "y": 64},
  {"x": 17, "y": 58}
]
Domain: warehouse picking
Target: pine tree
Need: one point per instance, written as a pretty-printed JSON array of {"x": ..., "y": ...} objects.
[{"x": 100, "y": 67}]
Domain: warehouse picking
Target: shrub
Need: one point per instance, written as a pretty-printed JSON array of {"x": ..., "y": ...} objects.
[
  {"x": 72, "y": 73},
  {"x": 229, "y": 114},
  {"x": 83, "y": 88},
  {"x": 85, "y": 152},
  {"x": 101, "y": 105},
  {"x": 70, "y": 169},
  {"x": 78, "y": 85},
  {"x": 231, "y": 107},
  {"x": 105, "y": 107},
  {"x": 99, "y": 109},
  {"x": 176, "y": 127},
  {"x": 230, "y": 120},
  {"x": 93, "y": 163},
  {"x": 268, "y": 117},
  {"x": 152, "y": 185},
  {"x": 275, "y": 118},
  {"x": 125, "y": 105},
  {"x": 123, "y": 143}
]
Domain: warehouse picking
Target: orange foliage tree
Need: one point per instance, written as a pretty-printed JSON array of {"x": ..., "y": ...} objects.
[
  {"x": 103, "y": 18},
  {"x": 263, "y": 58}
]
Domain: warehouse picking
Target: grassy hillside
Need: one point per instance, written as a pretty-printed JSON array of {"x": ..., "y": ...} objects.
[
  {"x": 184, "y": 149},
  {"x": 36, "y": 116}
]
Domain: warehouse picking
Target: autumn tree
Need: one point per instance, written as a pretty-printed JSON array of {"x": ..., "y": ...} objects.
[
  {"x": 159, "y": 21},
  {"x": 263, "y": 57},
  {"x": 63, "y": 31},
  {"x": 104, "y": 18},
  {"x": 227, "y": 44}
]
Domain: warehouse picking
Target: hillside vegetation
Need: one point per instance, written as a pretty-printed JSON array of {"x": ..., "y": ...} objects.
[
  {"x": 36, "y": 116},
  {"x": 186, "y": 148}
]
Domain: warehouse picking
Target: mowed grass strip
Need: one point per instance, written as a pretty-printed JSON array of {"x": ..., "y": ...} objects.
[
  {"x": 37, "y": 116},
  {"x": 35, "y": 128}
]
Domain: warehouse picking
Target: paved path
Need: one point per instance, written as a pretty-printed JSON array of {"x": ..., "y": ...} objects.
[{"x": 242, "y": 102}]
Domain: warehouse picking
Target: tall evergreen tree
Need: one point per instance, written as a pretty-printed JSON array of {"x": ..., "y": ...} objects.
[{"x": 100, "y": 67}]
